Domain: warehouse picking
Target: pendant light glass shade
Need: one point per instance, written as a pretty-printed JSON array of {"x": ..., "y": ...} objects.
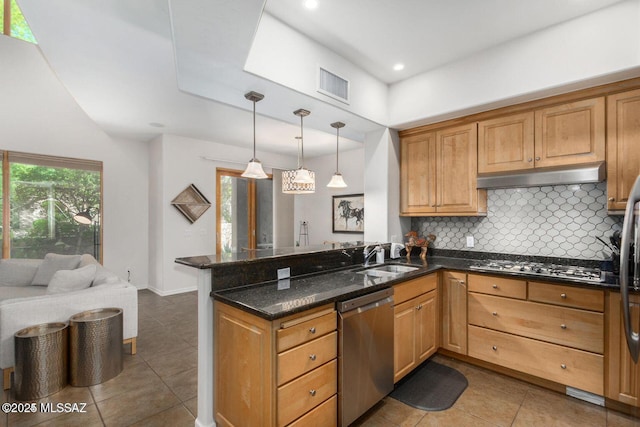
[
  {"x": 336, "y": 180},
  {"x": 254, "y": 167},
  {"x": 289, "y": 186}
]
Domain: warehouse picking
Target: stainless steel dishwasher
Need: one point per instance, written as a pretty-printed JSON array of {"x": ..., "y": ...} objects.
[{"x": 365, "y": 361}]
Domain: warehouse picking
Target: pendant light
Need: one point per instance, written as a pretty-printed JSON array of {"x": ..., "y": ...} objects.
[
  {"x": 254, "y": 167},
  {"x": 303, "y": 175},
  {"x": 336, "y": 180},
  {"x": 290, "y": 187}
]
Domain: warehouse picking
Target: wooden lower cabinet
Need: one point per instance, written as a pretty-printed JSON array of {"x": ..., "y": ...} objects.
[
  {"x": 415, "y": 323},
  {"x": 275, "y": 373},
  {"x": 548, "y": 330},
  {"x": 576, "y": 368},
  {"x": 622, "y": 381},
  {"x": 575, "y": 328},
  {"x": 324, "y": 414},
  {"x": 454, "y": 311}
]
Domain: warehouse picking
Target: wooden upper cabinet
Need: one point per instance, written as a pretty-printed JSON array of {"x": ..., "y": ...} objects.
[
  {"x": 457, "y": 169},
  {"x": 623, "y": 146},
  {"x": 438, "y": 173},
  {"x": 560, "y": 135},
  {"x": 418, "y": 174},
  {"x": 569, "y": 134},
  {"x": 506, "y": 143}
]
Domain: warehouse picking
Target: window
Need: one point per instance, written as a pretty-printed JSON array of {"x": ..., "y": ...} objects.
[
  {"x": 13, "y": 22},
  {"x": 50, "y": 204}
]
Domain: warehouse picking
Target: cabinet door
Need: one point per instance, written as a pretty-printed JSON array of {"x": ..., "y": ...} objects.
[
  {"x": 244, "y": 367},
  {"x": 454, "y": 312},
  {"x": 457, "y": 169},
  {"x": 623, "y": 146},
  {"x": 404, "y": 344},
  {"x": 623, "y": 375},
  {"x": 570, "y": 134},
  {"x": 506, "y": 143},
  {"x": 418, "y": 174},
  {"x": 427, "y": 330}
]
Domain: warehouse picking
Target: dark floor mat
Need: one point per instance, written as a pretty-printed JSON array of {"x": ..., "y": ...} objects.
[{"x": 431, "y": 387}]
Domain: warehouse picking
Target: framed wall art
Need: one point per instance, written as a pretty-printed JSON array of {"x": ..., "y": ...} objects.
[
  {"x": 348, "y": 213},
  {"x": 191, "y": 203}
]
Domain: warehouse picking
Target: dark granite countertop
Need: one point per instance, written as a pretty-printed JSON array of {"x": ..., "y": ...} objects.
[
  {"x": 245, "y": 257},
  {"x": 276, "y": 299}
]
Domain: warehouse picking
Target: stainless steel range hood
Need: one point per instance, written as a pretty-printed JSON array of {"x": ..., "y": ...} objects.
[{"x": 582, "y": 174}]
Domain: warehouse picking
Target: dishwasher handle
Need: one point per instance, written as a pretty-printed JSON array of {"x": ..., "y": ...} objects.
[{"x": 366, "y": 302}]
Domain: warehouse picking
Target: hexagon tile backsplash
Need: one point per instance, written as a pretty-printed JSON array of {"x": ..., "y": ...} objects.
[{"x": 558, "y": 221}]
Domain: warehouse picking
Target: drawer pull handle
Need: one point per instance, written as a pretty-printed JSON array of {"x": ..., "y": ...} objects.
[
  {"x": 537, "y": 158},
  {"x": 495, "y": 313},
  {"x": 563, "y": 366},
  {"x": 563, "y": 296},
  {"x": 563, "y": 326},
  {"x": 312, "y": 392},
  {"x": 419, "y": 307},
  {"x": 612, "y": 199},
  {"x": 312, "y": 329},
  {"x": 495, "y": 286},
  {"x": 312, "y": 357},
  {"x": 529, "y": 159},
  {"x": 494, "y": 348}
]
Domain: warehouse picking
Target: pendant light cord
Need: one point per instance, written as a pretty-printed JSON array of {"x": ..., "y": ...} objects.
[
  {"x": 302, "y": 139},
  {"x": 254, "y": 129},
  {"x": 337, "y": 148}
]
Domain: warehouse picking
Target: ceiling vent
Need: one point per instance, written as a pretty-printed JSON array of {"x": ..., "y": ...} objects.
[{"x": 333, "y": 85}]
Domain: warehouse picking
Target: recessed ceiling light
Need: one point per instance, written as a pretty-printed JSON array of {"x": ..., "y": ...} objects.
[
  {"x": 311, "y": 4},
  {"x": 398, "y": 67}
]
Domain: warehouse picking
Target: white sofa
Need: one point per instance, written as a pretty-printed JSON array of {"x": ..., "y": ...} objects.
[{"x": 52, "y": 290}]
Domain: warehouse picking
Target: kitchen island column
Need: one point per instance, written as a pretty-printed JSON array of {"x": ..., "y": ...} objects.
[{"x": 206, "y": 371}]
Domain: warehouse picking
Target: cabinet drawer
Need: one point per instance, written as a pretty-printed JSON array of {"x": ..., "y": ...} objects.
[
  {"x": 303, "y": 358},
  {"x": 324, "y": 415},
  {"x": 570, "y": 296},
  {"x": 412, "y": 288},
  {"x": 575, "y": 368},
  {"x": 305, "y": 393},
  {"x": 512, "y": 288},
  {"x": 295, "y": 333},
  {"x": 560, "y": 325}
]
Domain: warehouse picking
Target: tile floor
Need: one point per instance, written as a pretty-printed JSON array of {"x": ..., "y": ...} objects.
[{"x": 158, "y": 388}]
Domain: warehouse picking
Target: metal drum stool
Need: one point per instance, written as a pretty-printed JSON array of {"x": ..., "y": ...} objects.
[
  {"x": 95, "y": 340},
  {"x": 41, "y": 360}
]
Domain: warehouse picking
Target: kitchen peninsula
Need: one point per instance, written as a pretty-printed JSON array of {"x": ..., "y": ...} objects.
[{"x": 247, "y": 284}]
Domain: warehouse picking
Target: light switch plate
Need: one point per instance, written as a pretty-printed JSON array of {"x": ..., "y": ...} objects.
[{"x": 470, "y": 241}]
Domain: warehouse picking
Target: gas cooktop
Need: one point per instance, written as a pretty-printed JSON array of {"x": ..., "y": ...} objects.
[{"x": 542, "y": 269}]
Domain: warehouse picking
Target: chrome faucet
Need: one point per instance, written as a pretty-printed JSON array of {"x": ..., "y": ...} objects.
[{"x": 368, "y": 254}]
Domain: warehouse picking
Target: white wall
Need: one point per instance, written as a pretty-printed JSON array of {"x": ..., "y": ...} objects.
[
  {"x": 316, "y": 208},
  {"x": 178, "y": 162},
  {"x": 596, "y": 48},
  {"x": 382, "y": 185},
  {"x": 37, "y": 115},
  {"x": 289, "y": 58}
]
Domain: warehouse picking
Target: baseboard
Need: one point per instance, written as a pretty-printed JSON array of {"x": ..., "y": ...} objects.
[{"x": 172, "y": 292}]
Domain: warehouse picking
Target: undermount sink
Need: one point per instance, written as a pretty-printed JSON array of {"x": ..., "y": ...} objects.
[{"x": 387, "y": 270}]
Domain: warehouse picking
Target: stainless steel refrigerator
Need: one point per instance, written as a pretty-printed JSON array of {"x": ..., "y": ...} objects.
[{"x": 630, "y": 264}]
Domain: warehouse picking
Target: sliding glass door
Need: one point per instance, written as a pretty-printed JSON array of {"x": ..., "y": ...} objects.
[{"x": 244, "y": 212}]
